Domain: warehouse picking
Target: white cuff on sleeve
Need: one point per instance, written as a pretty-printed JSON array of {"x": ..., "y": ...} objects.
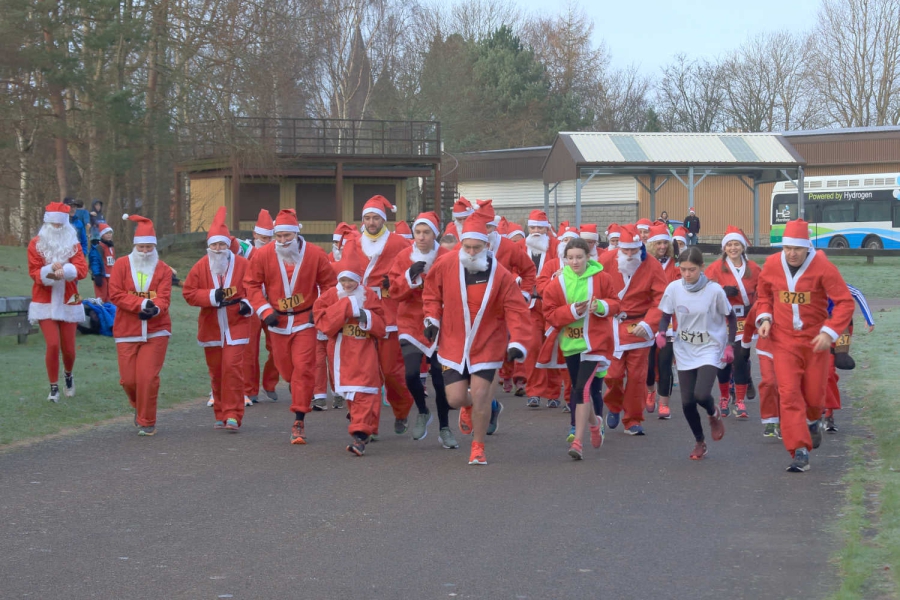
[
  {"x": 762, "y": 316},
  {"x": 250, "y": 306},
  {"x": 605, "y": 306},
  {"x": 831, "y": 333},
  {"x": 144, "y": 303},
  {"x": 69, "y": 271},
  {"x": 429, "y": 321},
  {"x": 355, "y": 306},
  {"x": 212, "y": 298},
  {"x": 262, "y": 309},
  {"x": 45, "y": 270},
  {"x": 413, "y": 284},
  {"x": 521, "y": 349},
  {"x": 647, "y": 329}
]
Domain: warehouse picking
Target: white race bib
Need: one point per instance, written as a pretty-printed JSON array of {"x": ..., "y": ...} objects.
[{"x": 698, "y": 338}]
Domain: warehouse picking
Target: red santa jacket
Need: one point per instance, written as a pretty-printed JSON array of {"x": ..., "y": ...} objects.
[
  {"x": 798, "y": 304},
  {"x": 478, "y": 341},
  {"x": 217, "y": 325},
  {"x": 408, "y": 295},
  {"x": 763, "y": 345},
  {"x": 639, "y": 301},
  {"x": 548, "y": 273},
  {"x": 51, "y": 298},
  {"x": 108, "y": 256},
  {"x": 381, "y": 255},
  {"x": 551, "y": 254},
  {"x": 454, "y": 230},
  {"x": 671, "y": 270},
  {"x": 129, "y": 292},
  {"x": 724, "y": 273},
  {"x": 515, "y": 260},
  {"x": 352, "y": 346},
  {"x": 597, "y": 330},
  {"x": 288, "y": 291}
]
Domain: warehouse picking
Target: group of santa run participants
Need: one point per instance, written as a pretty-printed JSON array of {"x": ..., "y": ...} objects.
[{"x": 481, "y": 304}]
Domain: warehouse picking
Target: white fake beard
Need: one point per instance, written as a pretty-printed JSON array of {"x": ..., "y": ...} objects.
[
  {"x": 289, "y": 252},
  {"x": 57, "y": 245},
  {"x": 474, "y": 264},
  {"x": 218, "y": 260},
  {"x": 538, "y": 242},
  {"x": 594, "y": 255},
  {"x": 494, "y": 240},
  {"x": 257, "y": 243},
  {"x": 359, "y": 293},
  {"x": 628, "y": 264},
  {"x": 144, "y": 262},
  {"x": 561, "y": 249},
  {"x": 428, "y": 259},
  {"x": 336, "y": 253}
]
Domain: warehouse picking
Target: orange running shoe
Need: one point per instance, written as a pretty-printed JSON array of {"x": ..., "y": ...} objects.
[
  {"x": 575, "y": 450},
  {"x": 597, "y": 434},
  {"x": 476, "y": 457},
  {"x": 650, "y": 401},
  {"x": 298, "y": 433},
  {"x": 465, "y": 420},
  {"x": 699, "y": 451},
  {"x": 664, "y": 412},
  {"x": 716, "y": 426}
]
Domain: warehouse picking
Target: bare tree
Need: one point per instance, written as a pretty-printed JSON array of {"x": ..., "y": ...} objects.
[
  {"x": 621, "y": 101},
  {"x": 691, "y": 95}
]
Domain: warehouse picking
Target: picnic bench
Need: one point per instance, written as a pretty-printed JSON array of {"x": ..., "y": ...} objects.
[{"x": 14, "y": 317}]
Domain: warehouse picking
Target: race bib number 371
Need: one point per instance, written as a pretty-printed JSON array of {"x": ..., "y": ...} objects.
[
  {"x": 694, "y": 337},
  {"x": 795, "y": 297}
]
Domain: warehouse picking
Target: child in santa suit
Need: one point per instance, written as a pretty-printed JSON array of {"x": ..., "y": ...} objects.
[
  {"x": 140, "y": 286},
  {"x": 216, "y": 285},
  {"x": 352, "y": 318},
  {"x": 768, "y": 386},
  {"x": 101, "y": 258},
  {"x": 55, "y": 264},
  {"x": 794, "y": 288}
]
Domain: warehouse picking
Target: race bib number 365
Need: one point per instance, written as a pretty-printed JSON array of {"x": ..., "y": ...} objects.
[
  {"x": 694, "y": 337},
  {"x": 795, "y": 297},
  {"x": 287, "y": 304},
  {"x": 351, "y": 330}
]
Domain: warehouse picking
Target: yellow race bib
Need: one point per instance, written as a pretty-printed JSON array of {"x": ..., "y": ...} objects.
[
  {"x": 574, "y": 333},
  {"x": 230, "y": 292},
  {"x": 354, "y": 331},
  {"x": 289, "y": 304},
  {"x": 795, "y": 297},
  {"x": 740, "y": 325},
  {"x": 145, "y": 295}
]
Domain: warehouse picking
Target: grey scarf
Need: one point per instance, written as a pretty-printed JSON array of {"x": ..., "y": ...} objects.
[{"x": 697, "y": 285}]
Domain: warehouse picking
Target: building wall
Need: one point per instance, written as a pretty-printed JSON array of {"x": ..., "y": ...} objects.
[{"x": 206, "y": 196}]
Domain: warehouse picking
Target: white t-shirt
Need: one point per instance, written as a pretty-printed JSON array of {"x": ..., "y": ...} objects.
[{"x": 702, "y": 329}]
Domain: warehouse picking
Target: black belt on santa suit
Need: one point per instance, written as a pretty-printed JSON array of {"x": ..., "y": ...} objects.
[
  {"x": 296, "y": 314},
  {"x": 625, "y": 317}
]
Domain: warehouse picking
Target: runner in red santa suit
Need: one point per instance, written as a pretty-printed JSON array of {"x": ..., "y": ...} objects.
[
  {"x": 475, "y": 311},
  {"x": 381, "y": 248},
  {"x": 403, "y": 230},
  {"x": 516, "y": 234},
  {"x": 408, "y": 275},
  {"x": 262, "y": 236},
  {"x": 282, "y": 283},
  {"x": 659, "y": 366},
  {"x": 215, "y": 284},
  {"x": 640, "y": 283},
  {"x": 643, "y": 226},
  {"x": 462, "y": 208},
  {"x": 140, "y": 286},
  {"x": 613, "y": 233},
  {"x": 588, "y": 232},
  {"x": 55, "y": 264},
  {"x": 351, "y": 317},
  {"x": 541, "y": 247},
  {"x": 793, "y": 292},
  {"x": 768, "y": 386}
]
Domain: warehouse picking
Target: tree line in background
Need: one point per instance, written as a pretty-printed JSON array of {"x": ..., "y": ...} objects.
[{"x": 100, "y": 96}]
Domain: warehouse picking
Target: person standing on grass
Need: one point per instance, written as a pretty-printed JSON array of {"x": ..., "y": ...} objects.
[
  {"x": 55, "y": 264},
  {"x": 706, "y": 326},
  {"x": 794, "y": 288},
  {"x": 140, "y": 286},
  {"x": 102, "y": 258},
  {"x": 215, "y": 284},
  {"x": 578, "y": 305}
]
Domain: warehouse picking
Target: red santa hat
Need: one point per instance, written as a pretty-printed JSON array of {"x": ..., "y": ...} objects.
[
  {"x": 538, "y": 218},
  {"x": 569, "y": 233},
  {"x": 234, "y": 245},
  {"x": 475, "y": 227},
  {"x": 589, "y": 232},
  {"x": 264, "y": 225},
  {"x": 515, "y": 230},
  {"x": 56, "y": 212},
  {"x": 659, "y": 233},
  {"x": 402, "y": 229},
  {"x": 644, "y": 224},
  {"x": 352, "y": 264},
  {"x": 630, "y": 238},
  {"x": 104, "y": 229},
  {"x": 287, "y": 221},
  {"x": 796, "y": 233},
  {"x": 691, "y": 209},
  {"x": 218, "y": 230},
  {"x": 680, "y": 235},
  {"x": 340, "y": 231},
  {"x": 144, "y": 232},
  {"x": 613, "y": 230},
  {"x": 734, "y": 234},
  {"x": 562, "y": 226},
  {"x": 503, "y": 226},
  {"x": 429, "y": 218},
  {"x": 462, "y": 208},
  {"x": 377, "y": 205},
  {"x": 486, "y": 207}
]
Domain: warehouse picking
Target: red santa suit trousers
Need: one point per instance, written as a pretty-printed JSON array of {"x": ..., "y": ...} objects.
[
  {"x": 251, "y": 363},
  {"x": 139, "y": 367},
  {"x": 394, "y": 371},
  {"x": 321, "y": 389},
  {"x": 58, "y": 335},
  {"x": 802, "y": 376},
  {"x": 768, "y": 389},
  {"x": 226, "y": 372},
  {"x": 628, "y": 394},
  {"x": 295, "y": 359}
]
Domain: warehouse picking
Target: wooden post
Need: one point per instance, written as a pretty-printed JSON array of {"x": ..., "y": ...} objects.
[
  {"x": 179, "y": 209},
  {"x": 235, "y": 196},
  {"x": 339, "y": 193}
]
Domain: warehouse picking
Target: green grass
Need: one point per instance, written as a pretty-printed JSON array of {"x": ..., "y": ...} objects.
[{"x": 25, "y": 412}]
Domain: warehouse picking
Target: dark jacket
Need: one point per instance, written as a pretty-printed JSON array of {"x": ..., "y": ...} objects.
[{"x": 692, "y": 224}]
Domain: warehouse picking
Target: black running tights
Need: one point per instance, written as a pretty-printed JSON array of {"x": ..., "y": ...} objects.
[
  {"x": 412, "y": 360},
  {"x": 696, "y": 390},
  {"x": 661, "y": 358},
  {"x": 581, "y": 373},
  {"x": 740, "y": 366}
]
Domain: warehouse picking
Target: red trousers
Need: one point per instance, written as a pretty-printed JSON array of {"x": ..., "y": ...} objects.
[
  {"x": 832, "y": 393},
  {"x": 628, "y": 394},
  {"x": 394, "y": 372},
  {"x": 542, "y": 383},
  {"x": 139, "y": 367},
  {"x": 251, "y": 363},
  {"x": 802, "y": 376},
  {"x": 321, "y": 389},
  {"x": 295, "y": 359},
  {"x": 102, "y": 291},
  {"x": 58, "y": 334},
  {"x": 226, "y": 373},
  {"x": 768, "y": 389},
  {"x": 364, "y": 413}
]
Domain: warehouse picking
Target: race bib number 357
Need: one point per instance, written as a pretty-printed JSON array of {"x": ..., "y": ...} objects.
[
  {"x": 694, "y": 337},
  {"x": 287, "y": 304},
  {"x": 795, "y": 297}
]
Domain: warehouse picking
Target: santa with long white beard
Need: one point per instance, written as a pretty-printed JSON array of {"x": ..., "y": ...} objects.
[
  {"x": 639, "y": 282},
  {"x": 283, "y": 282},
  {"x": 462, "y": 209},
  {"x": 140, "y": 286},
  {"x": 56, "y": 263},
  {"x": 540, "y": 383}
]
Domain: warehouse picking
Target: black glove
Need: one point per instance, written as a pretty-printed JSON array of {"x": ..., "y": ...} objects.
[
  {"x": 362, "y": 318},
  {"x": 271, "y": 320},
  {"x": 844, "y": 362},
  {"x": 219, "y": 295},
  {"x": 245, "y": 309},
  {"x": 731, "y": 291},
  {"x": 514, "y": 354},
  {"x": 98, "y": 280},
  {"x": 144, "y": 316},
  {"x": 148, "y": 313},
  {"x": 386, "y": 283},
  {"x": 416, "y": 269},
  {"x": 431, "y": 332},
  {"x": 149, "y": 305}
]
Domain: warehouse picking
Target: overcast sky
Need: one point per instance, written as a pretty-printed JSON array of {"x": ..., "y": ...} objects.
[{"x": 650, "y": 32}]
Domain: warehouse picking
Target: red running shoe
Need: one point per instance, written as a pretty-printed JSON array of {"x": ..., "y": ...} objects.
[
  {"x": 699, "y": 451},
  {"x": 476, "y": 457},
  {"x": 664, "y": 412},
  {"x": 465, "y": 420},
  {"x": 716, "y": 426},
  {"x": 650, "y": 402},
  {"x": 298, "y": 433}
]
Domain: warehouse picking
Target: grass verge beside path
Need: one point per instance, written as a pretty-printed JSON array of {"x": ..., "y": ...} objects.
[{"x": 24, "y": 410}]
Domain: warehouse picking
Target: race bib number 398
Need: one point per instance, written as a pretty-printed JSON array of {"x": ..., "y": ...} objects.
[
  {"x": 694, "y": 337},
  {"x": 287, "y": 304},
  {"x": 574, "y": 333},
  {"x": 795, "y": 297}
]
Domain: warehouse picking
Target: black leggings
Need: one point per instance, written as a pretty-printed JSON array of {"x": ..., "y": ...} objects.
[
  {"x": 580, "y": 372},
  {"x": 412, "y": 360},
  {"x": 661, "y": 358},
  {"x": 740, "y": 367},
  {"x": 696, "y": 390}
]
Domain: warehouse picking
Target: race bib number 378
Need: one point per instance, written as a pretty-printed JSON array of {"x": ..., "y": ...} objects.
[{"x": 795, "y": 297}]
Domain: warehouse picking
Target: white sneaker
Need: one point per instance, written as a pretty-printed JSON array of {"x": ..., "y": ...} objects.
[
  {"x": 54, "y": 394},
  {"x": 70, "y": 386},
  {"x": 210, "y": 401},
  {"x": 248, "y": 401}
]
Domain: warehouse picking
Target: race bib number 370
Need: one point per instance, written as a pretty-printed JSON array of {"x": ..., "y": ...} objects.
[
  {"x": 694, "y": 337},
  {"x": 288, "y": 304},
  {"x": 795, "y": 297}
]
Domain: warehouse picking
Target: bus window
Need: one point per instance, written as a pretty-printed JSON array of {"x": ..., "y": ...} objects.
[
  {"x": 874, "y": 211},
  {"x": 838, "y": 212},
  {"x": 896, "y": 209},
  {"x": 782, "y": 212}
]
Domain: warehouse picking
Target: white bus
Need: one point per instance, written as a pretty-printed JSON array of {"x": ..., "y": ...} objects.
[{"x": 843, "y": 211}]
